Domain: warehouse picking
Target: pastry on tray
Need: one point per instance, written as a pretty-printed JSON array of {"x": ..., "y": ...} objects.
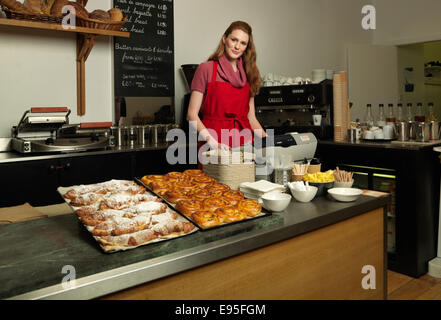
[
  {"x": 202, "y": 198},
  {"x": 120, "y": 214}
]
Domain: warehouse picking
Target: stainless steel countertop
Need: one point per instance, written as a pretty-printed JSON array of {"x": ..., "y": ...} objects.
[
  {"x": 12, "y": 156},
  {"x": 35, "y": 250}
]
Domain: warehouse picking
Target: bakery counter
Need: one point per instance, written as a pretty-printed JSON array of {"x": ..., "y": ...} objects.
[{"x": 304, "y": 252}]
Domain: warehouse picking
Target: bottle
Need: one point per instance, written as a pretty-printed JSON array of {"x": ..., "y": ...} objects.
[
  {"x": 369, "y": 118},
  {"x": 419, "y": 114},
  {"x": 390, "y": 113},
  {"x": 381, "y": 118},
  {"x": 400, "y": 116},
  {"x": 409, "y": 112},
  {"x": 431, "y": 115}
]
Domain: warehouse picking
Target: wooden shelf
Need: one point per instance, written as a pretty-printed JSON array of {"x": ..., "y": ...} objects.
[
  {"x": 85, "y": 42},
  {"x": 57, "y": 27}
]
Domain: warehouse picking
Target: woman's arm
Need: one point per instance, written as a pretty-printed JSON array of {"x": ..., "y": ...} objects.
[
  {"x": 254, "y": 123},
  {"x": 193, "y": 117}
]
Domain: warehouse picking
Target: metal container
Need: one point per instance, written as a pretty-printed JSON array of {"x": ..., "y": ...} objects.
[
  {"x": 282, "y": 176},
  {"x": 132, "y": 136},
  {"x": 120, "y": 136},
  {"x": 154, "y": 134},
  {"x": 161, "y": 133},
  {"x": 422, "y": 132},
  {"x": 141, "y": 135},
  {"x": 412, "y": 128},
  {"x": 434, "y": 133},
  {"x": 402, "y": 130}
]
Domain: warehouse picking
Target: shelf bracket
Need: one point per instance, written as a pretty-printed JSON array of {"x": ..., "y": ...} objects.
[{"x": 85, "y": 44}]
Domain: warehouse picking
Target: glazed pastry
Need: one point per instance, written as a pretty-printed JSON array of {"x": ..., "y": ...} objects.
[
  {"x": 206, "y": 219},
  {"x": 176, "y": 176},
  {"x": 231, "y": 214},
  {"x": 194, "y": 173},
  {"x": 203, "y": 181},
  {"x": 218, "y": 187},
  {"x": 186, "y": 186},
  {"x": 188, "y": 207},
  {"x": 175, "y": 195},
  {"x": 160, "y": 187},
  {"x": 233, "y": 196},
  {"x": 151, "y": 178},
  {"x": 212, "y": 204},
  {"x": 250, "y": 207},
  {"x": 199, "y": 194}
]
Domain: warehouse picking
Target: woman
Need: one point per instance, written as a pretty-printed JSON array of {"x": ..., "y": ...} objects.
[{"x": 223, "y": 90}]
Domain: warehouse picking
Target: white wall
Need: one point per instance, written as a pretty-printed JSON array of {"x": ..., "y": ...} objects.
[
  {"x": 292, "y": 37},
  {"x": 38, "y": 68},
  {"x": 407, "y": 21}
]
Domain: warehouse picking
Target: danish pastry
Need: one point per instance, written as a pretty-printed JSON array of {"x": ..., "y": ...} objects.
[
  {"x": 206, "y": 219},
  {"x": 233, "y": 196},
  {"x": 203, "y": 181},
  {"x": 188, "y": 207},
  {"x": 151, "y": 178},
  {"x": 199, "y": 194},
  {"x": 160, "y": 187},
  {"x": 214, "y": 188},
  {"x": 250, "y": 207},
  {"x": 231, "y": 214},
  {"x": 212, "y": 204},
  {"x": 194, "y": 172},
  {"x": 176, "y": 195}
]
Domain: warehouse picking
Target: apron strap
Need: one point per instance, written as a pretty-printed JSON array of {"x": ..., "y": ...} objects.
[{"x": 213, "y": 77}]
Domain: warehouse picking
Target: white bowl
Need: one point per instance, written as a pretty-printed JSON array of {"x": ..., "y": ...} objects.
[
  {"x": 343, "y": 184},
  {"x": 304, "y": 196},
  {"x": 345, "y": 194},
  {"x": 276, "y": 201}
]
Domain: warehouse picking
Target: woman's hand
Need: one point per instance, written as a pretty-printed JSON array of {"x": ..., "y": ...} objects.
[{"x": 216, "y": 145}]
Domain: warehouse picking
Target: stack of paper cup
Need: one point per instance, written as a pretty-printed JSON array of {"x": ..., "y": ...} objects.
[
  {"x": 341, "y": 107},
  {"x": 318, "y": 75}
]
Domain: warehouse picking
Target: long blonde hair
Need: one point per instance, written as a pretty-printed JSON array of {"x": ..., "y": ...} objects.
[{"x": 248, "y": 57}]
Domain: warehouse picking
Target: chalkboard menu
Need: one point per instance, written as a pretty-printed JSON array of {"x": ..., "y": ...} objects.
[{"x": 144, "y": 63}]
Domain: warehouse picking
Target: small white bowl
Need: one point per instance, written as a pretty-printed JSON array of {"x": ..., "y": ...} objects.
[
  {"x": 304, "y": 196},
  {"x": 345, "y": 194},
  {"x": 343, "y": 184},
  {"x": 276, "y": 201}
]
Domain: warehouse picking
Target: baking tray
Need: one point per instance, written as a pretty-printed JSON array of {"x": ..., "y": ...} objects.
[
  {"x": 263, "y": 213},
  {"x": 174, "y": 235}
]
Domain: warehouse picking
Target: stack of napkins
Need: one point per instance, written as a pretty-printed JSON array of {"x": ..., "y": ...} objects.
[{"x": 255, "y": 190}]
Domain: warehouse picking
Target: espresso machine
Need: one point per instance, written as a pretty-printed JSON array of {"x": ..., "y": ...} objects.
[{"x": 290, "y": 108}]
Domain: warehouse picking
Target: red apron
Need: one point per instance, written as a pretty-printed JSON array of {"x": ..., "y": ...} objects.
[{"x": 226, "y": 107}]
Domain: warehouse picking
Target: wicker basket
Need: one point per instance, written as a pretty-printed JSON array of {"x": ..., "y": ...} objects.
[
  {"x": 31, "y": 16},
  {"x": 98, "y": 24},
  {"x": 231, "y": 169}
]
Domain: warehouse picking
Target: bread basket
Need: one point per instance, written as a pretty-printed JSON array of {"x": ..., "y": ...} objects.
[
  {"x": 230, "y": 168},
  {"x": 99, "y": 24},
  {"x": 10, "y": 14}
]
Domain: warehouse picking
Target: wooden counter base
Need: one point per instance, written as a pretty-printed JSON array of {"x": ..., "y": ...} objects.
[{"x": 322, "y": 264}]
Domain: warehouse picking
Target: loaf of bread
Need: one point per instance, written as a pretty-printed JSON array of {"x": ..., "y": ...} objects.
[
  {"x": 99, "y": 15},
  {"x": 115, "y": 14},
  {"x": 16, "y": 6},
  {"x": 36, "y": 6}
]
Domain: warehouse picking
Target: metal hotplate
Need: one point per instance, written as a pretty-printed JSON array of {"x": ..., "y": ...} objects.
[{"x": 59, "y": 145}]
